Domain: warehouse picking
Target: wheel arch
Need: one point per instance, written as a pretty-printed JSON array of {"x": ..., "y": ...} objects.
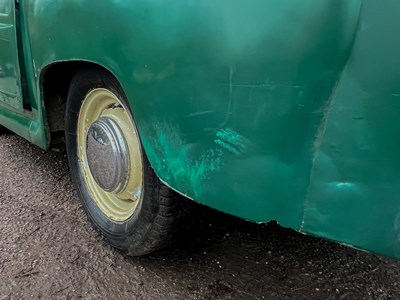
[{"x": 55, "y": 80}]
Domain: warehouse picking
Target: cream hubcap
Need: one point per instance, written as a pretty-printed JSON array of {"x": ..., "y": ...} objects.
[{"x": 110, "y": 154}]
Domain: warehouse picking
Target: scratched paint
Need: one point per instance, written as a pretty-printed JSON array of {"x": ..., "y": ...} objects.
[{"x": 172, "y": 157}]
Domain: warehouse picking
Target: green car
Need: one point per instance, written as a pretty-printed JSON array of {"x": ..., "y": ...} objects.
[{"x": 284, "y": 110}]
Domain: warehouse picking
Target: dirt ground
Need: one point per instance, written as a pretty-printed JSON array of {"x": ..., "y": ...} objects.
[{"x": 49, "y": 251}]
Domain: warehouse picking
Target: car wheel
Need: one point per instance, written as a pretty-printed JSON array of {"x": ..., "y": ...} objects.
[{"x": 122, "y": 196}]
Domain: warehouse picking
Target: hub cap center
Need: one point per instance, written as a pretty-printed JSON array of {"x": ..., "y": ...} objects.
[{"x": 107, "y": 155}]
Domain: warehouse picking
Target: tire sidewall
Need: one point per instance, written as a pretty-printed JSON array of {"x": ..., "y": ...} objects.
[{"x": 122, "y": 235}]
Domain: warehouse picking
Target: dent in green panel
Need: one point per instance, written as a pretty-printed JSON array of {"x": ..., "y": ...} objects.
[
  {"x": 354, "y": 190},
  {"x": 254, "y": 91}
]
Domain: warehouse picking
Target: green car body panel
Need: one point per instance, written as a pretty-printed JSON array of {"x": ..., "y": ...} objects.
[{"x": 282, "y": 110}]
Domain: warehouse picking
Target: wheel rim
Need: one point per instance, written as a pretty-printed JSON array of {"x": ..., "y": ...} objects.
[{"x": 109, "y": 154}]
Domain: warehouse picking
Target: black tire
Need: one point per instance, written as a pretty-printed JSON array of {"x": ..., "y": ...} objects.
[{"x": 155, "y": 219}]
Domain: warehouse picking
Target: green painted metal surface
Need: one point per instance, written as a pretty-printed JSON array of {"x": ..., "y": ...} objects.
[
  {"x": 10, "y": 88},
  {"x": 30, "y": 124},
  {"x": 265, "y": 109},
  {"x": 354, "y": 190}
]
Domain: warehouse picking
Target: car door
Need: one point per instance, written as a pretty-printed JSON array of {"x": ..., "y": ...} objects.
[{"x": 10, "y": 82}]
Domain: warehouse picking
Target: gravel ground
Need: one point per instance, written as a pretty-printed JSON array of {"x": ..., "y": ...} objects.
[{"x": 49, "y": 251}]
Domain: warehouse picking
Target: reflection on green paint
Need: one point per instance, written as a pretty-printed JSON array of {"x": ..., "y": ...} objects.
[{"x": 231, "y": 141}]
